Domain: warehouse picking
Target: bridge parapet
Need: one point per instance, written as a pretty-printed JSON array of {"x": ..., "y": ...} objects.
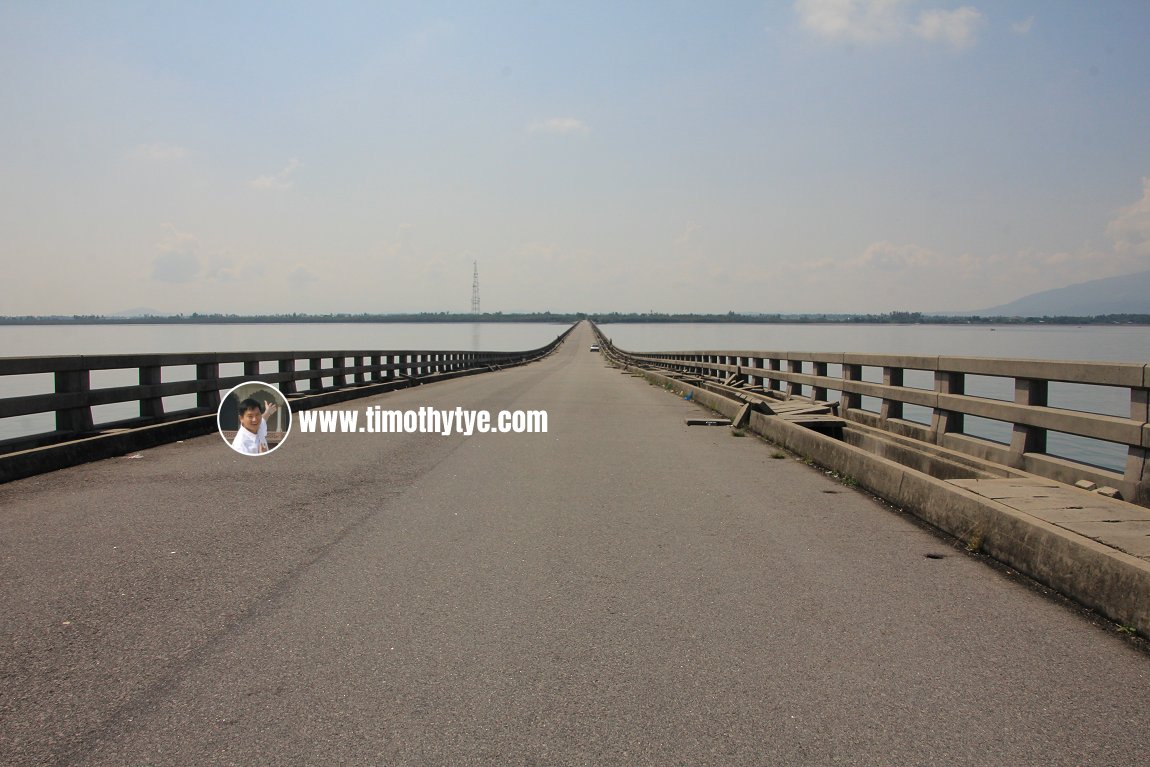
[
  {"x": 1033, "y": 404},
  {"x": 306, "y": 378}
]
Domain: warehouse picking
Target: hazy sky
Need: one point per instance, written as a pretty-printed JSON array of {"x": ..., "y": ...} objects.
[{"x": 809, "y": 156}]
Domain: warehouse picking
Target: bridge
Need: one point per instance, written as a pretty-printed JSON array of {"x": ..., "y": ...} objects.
[{"x": 624, "y": 588}]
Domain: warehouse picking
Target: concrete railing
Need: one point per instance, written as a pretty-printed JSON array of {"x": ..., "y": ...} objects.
[
  {"x": 307, "y": 379},
  {"x": 1030, "y": 419}
]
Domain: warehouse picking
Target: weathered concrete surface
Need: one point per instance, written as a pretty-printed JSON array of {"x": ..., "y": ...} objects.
[
  {"x": 624, "y": 589},
  {"x": 1110, "y": 521},
  {"x": 1104, "y": 569}
]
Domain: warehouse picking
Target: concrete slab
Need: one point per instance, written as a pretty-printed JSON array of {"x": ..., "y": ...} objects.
[
  {"x": 1052, "y": 500},
  {"x": 1018, "y": 487},
  {"x": 1112, "y": 522},
  {"x": 1093, "y": 513},
  {"x": 1130, "y": 537}
]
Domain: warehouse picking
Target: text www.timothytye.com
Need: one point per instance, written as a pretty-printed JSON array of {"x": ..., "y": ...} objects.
[{"x": 426, "y": 420}]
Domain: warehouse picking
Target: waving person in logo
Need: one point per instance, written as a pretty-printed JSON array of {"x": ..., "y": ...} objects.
[{"x": 252, "y": 437}]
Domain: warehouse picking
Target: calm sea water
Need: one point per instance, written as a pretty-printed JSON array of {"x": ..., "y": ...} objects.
[
  {"x": 1089, "y": 342},
  {"x": 39, "y": 340},
  {"x": 1112, "y": 343}
]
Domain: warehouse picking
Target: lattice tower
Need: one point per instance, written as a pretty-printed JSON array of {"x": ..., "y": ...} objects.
[{"x": 475, "y": 288}]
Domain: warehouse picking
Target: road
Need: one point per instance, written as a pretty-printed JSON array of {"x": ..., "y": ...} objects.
[{"x": 623, "y": 589}]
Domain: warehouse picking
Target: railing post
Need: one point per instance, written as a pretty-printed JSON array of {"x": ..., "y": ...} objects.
[
  {"x": 851, "y": 400},
  {"x": 339, "y": 375},
  {"x": 288, "y": 386},
  {"x": 251, "y": 369},
  {"x": 891, "y": 408},
  {"x": 819, "y": 393},
  {"x": 315, "y": 383},
  {"x": 794, "y": 389},
  {"x": 74, "y": 419},
  {"x": 943, "y": 421},
  {"x": 1029, "y": 439},
  {"x": 209, "y": 398},
  {"x": 151, "y": 407},
  {"x": 1136, "y": 468},
  {"x": 777, "y": 367}
]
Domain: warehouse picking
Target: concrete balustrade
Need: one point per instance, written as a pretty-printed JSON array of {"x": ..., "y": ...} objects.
[
  {"x": 1030, "y": 417},
  {"x": 306, "y": 378}
]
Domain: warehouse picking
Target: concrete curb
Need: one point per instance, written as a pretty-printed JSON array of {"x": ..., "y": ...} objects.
[{"x": 1104, "y": 579}]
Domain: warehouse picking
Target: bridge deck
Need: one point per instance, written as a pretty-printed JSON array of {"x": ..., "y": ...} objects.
[{"x": 624, "y": 589}]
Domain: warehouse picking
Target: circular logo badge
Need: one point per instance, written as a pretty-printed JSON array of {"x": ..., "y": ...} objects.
[{"x": 254, "y": 418}]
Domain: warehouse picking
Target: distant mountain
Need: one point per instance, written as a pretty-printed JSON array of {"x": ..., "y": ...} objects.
[{"x": 1126, "y": 294}]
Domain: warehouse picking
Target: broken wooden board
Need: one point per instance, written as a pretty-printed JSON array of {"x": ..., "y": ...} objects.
[
  {"x": 797, "y": 408},
  {"x": 743, "y": 417},
  {"x": 824, "y": 424},
  {"x": 708, "y": 421}
]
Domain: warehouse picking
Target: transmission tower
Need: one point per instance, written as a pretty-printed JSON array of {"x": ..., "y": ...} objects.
[{"x": 475, "y": 288}]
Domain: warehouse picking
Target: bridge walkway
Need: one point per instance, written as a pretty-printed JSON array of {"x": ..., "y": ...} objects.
[{"x": 623, "y": 589}]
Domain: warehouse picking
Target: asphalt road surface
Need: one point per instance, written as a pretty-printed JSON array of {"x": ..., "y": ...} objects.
[{"x": 621, "y": 590}]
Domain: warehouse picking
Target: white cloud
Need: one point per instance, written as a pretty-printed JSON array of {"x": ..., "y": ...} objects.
[
  {"x": 884, "y": 21},
  {"x": 280, "y": 180},
  {"x": 160, "y": 152},
  {"x": 178, "y": 260},
  {"x": 957, "y": 28},
  {"x": 182, "y": 259},
  {"x": 918, "y": 277},
  {"x": 1029, "y": 271},
  {"x": 226, "y": 269},
  {"x": 884, "y": 256},
  {"x": 300, "y": 277},
  {"x": 887, "y": 256},
  {"x": 1023, "y": 27},
  {"x": 558, "y": 125},
  {"x": 863, "y": 21},
  {"x": 1129, "y": 230},
  {"x": 915, "y": 276},
  {"x": 686, "y": 237}
]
